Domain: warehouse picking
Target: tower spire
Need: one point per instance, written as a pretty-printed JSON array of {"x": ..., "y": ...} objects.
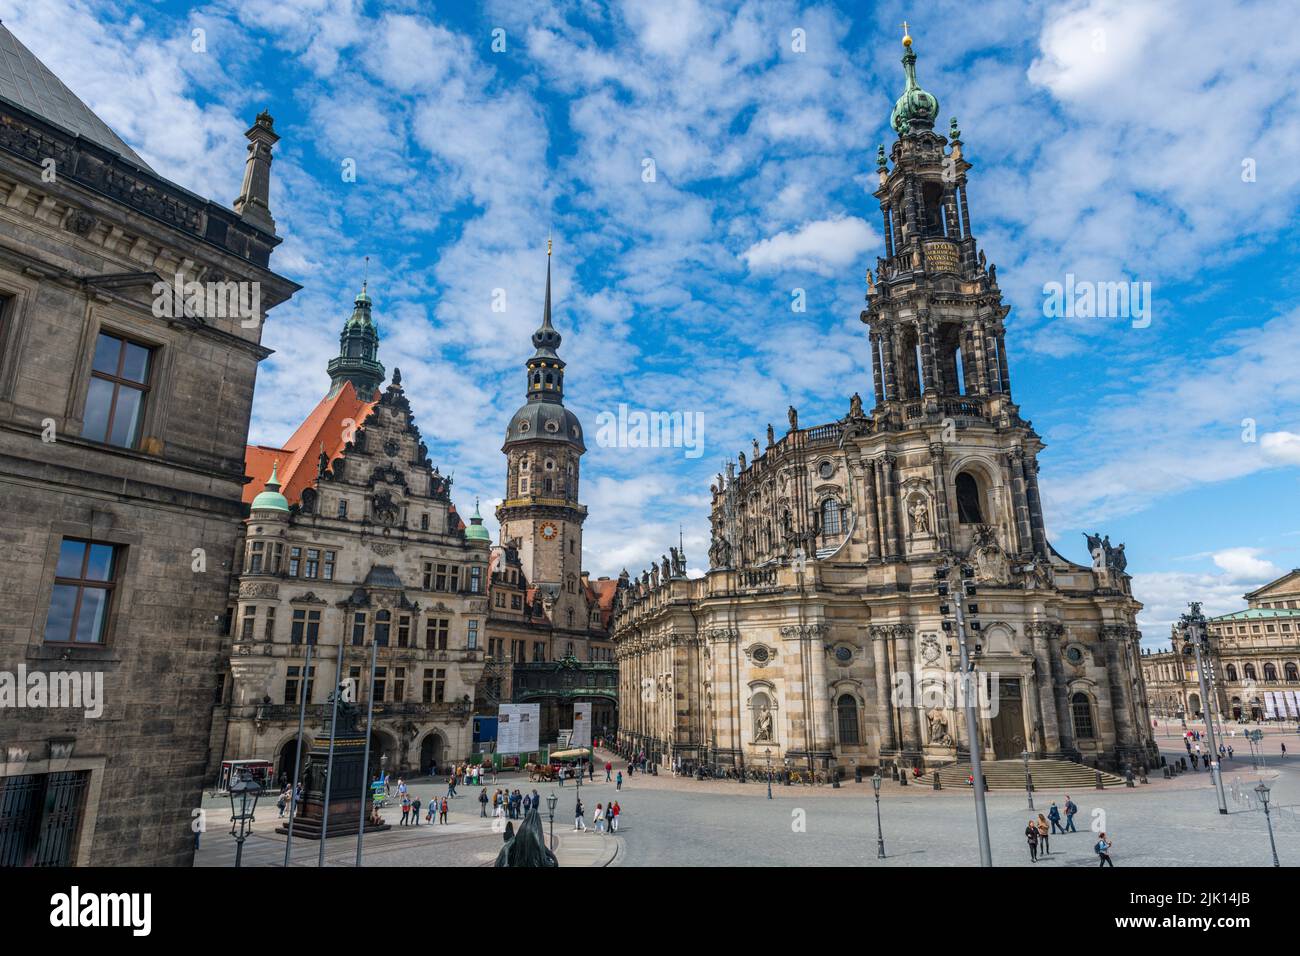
[
  {"x": 358, "y": 358},
  {"x": 546, "y": 368}
]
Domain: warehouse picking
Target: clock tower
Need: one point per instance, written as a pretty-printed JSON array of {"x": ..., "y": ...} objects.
[{"x": 541, "y": 516}]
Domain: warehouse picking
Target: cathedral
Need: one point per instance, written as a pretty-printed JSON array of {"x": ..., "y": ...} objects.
[{"x": 820, "y": 634}]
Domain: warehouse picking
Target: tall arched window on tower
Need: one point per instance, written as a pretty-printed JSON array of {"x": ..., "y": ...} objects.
[
  {"x": 932, "y": 209},
  {"x": 830, "y": 517},
  {"x": 847, "y": 711},
  {"x": 968, "y": 499}
]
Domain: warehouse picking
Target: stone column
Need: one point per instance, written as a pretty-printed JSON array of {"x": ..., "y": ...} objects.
[
  {"x": 929, "y": 367},
  {"x": 880, "y": 635},
  {"x": 887, "y": 357},
  {"x": 965, "y": 213},
  {"x": 1046, "y": 681},
  {"x": 892, "y": 548},
  {"x": 911, "y": 716},
  {"x": 1121, "y": 705},
  {"x": 981, "y": 359},
  {"x": 942, "y": 522},
  {"x": 822, "y": 732},
  {"x": 1002, "y": 363},
  {"x": 1036, "y": 525},
  {"x": 875, "y": 367},
  {"x": 950, "y": 212},
  {"x": 886, "y": 214},
  {"x": 869, "y": 507},
  {"x": 1020, "y": 502}
]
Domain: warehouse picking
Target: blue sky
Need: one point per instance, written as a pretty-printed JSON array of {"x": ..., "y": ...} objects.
[{"x": 1108, "y": 140}]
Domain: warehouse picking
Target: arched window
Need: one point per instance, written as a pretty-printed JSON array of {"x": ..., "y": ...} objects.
[
  {"x": 1081, "y": 711},
  {"x": 1250, "y": 672},
  {"x": 830, "y": 516},
  {"x": 968, "y": 499},
  {"x": 1292, "y": 673},
  {"x": 847, "y": 709},
  {"x": 1270, "y": 672},
  {"x": 1232, "y": 672}
]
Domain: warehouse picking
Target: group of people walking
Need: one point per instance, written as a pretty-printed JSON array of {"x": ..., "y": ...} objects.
[
  {"x": 511, "y": 805},
  {"x": 411, "y": 810},
  {"x": 1038, "y": 833},
  {"x": 606, "y": 818}
]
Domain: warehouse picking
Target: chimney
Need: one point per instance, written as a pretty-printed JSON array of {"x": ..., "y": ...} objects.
[{"x": 253, "y": 204}]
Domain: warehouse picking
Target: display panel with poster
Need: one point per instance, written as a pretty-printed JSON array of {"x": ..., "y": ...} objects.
[
  {"x": 518, "y": 727},
  {"x": 582, "y": 724}
]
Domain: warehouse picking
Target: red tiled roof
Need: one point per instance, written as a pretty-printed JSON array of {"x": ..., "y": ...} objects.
[{"x": 323, "y": 428}]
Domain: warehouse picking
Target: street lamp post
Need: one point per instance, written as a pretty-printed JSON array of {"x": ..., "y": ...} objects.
[
  {"x": 768, "y": 752},
  {"x": 1194, "y": 632},
  {"x": 243, "y": 804},
  {"x": 880, "y": 836},
  {"x": 1262, "y": 790},
  {"x": 551, "y": 801},
  {"x": 297, "y": 756},
  {"x": 1029, "y": 783},
  {"x": 966, "y": 588}
]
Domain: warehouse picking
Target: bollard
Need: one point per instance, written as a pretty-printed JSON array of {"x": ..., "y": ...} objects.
[
  {"x": 893, "y": 771},
  {"x": 937, "y": 784},
  {"x": 1100, "y": 785},
  {"x": 984, "y": 779},
  {"x": 1168, "y": 776},
  {"x": 902, "y": 779}
]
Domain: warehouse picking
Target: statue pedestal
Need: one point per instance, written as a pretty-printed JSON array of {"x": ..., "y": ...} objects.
[
  {"x": 921, "y": 543},
  {"x": 346, "y": 791}
]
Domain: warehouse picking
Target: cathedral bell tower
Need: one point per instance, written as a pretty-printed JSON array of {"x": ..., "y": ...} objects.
[
  {"x": 937, "y": 343},
  {"x": 541, "y": 515}
]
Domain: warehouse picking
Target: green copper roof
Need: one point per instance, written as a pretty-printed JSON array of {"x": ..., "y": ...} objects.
[
  {"x": 915, "y": 107},
  {"x": 1259, "y": 614},
  {"x": 476, "y": 531},
  {"x": 270, "y": 499},
  {"x": 361, "y": 308}
]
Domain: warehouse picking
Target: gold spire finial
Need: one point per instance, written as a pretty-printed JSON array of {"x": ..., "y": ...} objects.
[
  {"x": 548, "y": 245},
  {"x": 907, "y": 35}
]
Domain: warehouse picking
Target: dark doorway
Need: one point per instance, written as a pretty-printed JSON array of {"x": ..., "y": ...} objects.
[
  {"x": 431, "y": 754},
  {"x": 284, "y": 760},
  {"x": 1009, "y": 722}
]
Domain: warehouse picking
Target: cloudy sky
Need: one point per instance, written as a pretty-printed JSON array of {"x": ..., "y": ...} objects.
[{"x": 1114, "y": 141}]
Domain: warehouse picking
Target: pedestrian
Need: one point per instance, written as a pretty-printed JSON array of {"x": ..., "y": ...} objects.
[
  {"x": 442, "y": 815},
  {"x": 578, "y": 822},
  {"x": 1229, "y": 751},
  {"x": 451, "y": 785},
  {"x": 618, "y": 781},
  {"x": 1043, "y": 834},
  {"x": 528, "y": 803},
  {"x": 1070, "y": 810},
  {"x": 1103, "y": 851},
  {"x": 617, "y": 811},
  {"x": 482, "y": 802},
  {"x": 600, "y": 818},
  {"x": 401, "y": 787},
  {"x": 591, "y": 767},
  {"x": 1031, "y": 837},
  {"x": 609, "y": 817},
  {"x": 1054, "y": 814},
  {"x": 283, "y": 802},
  {"x": 415, "y": 811},
  {"x": 406, "y": 811},
  {"x": 1283, "y": 751},
  {"x": 608, "y": 768}
]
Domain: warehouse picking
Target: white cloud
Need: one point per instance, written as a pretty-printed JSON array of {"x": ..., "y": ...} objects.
[
  {"x": 1245, "y": 564},
  {"x": 1281, "y": 447},
  {"x": 825, "y": 246}
]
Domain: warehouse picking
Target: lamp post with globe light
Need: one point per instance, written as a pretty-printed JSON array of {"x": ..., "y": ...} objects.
[{"x": 880, "y": 836}]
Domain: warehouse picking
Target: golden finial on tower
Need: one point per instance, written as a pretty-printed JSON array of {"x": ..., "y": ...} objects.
[
  {"x": 548, "y": 245},
  {"x": 907, "y": 35}
]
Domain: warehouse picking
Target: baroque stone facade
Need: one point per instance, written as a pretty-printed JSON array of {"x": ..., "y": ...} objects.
[
  {"x": 817, "y": 633},
  {"x": 120, "y": 470},
  {"x": 354, "y": 545},
  {"x": 1254, "y": 661}
]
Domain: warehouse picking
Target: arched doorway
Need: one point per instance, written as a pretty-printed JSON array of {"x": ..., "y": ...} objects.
[
  {"x": 1194, "y": 704},
  {"x": 284, "y": 759},
  {"x": 432, "y": 753},
  {"x": 1008, "y": 725}
]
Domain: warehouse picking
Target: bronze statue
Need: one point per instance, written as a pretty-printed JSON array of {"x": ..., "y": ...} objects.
[{"x": 527, "y": 848}]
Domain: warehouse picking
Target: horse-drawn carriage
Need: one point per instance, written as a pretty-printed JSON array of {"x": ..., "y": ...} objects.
[{"x": 540, "y": 772}]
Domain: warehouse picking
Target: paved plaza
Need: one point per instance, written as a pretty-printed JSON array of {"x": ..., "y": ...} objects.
[{"x": 670, "y": 821}]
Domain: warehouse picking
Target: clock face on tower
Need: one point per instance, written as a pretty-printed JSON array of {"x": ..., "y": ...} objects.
[{"x": 549, "y": 531}]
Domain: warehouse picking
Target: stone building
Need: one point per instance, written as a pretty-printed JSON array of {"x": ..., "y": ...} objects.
[
  {"x": 124, "y": 412},
  {"x": 1254, "y": 661},
  {"x": 352, "y": 540},
  {"x": 817, "y": 634},
  {"x": 549, "y": 637}
]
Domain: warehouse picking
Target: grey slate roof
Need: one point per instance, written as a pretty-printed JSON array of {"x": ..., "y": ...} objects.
[
  {"x": 383, "y": 576},
  {"x": 27, "y": 83}
]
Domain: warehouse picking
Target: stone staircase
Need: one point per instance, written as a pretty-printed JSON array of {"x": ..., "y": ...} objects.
[{"x": 1048, "y": 775}]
